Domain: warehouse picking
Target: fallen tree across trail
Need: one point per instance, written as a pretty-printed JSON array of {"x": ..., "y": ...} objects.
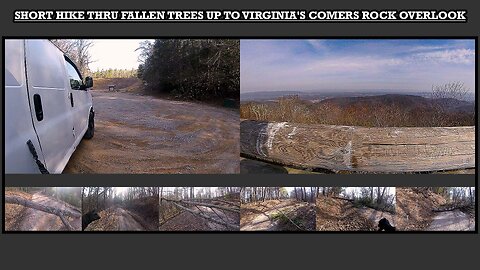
[
  {"x": 464, "y": 207},
  {"x": 203, "y": 215},
  {"x": 289, "y": 219},
  {"x": 61, "y": 213},
  {"x": 205, "y": 204}
]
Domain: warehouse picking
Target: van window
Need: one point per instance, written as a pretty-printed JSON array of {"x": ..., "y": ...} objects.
[{"x": 75, "y": 80}]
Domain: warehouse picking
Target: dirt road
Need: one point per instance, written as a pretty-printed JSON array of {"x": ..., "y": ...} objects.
[
  {"x": 374, "y": 216},
  {"x": 35, "y": 220},
  {"x": 452, "y": 221},
  {"x": 136, "y": 133},
  {"x": 126, "y": 221},
  {"x": 116, "y": 219}
]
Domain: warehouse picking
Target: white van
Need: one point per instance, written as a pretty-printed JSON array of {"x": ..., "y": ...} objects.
[{"x": 48, "y": 108}]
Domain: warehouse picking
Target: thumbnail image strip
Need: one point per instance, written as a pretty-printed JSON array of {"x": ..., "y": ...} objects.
[
  {"x": 120, "y": 208},
  {"x": 278, "y": 209},
  {"x": 199, "y": 208},
  {"x": 43, "y": 209}
]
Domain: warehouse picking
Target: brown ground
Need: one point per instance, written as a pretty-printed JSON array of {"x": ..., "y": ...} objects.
[
  {"x": 116, "y": 219},
  {"x": 341, "y": 215},
  {"x": 19, "y": 218},
  {"x": 269, "y": 216},
  {"x": 414, "y": 210},
  {"x": 135, "y": 133}
]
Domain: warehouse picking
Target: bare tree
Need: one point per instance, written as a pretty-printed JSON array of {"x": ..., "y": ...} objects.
[{"x": 78, "y": 50}]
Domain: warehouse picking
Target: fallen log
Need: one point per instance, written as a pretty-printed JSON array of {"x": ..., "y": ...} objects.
[
  {"x": 61, "y": 213},
  {"x": 345, "y": 199},
  {"x": 226, "y": 202},
  {"x": 453, "y": 208},
  {"x": 228, "y": 225},
  {"x": 359, "y": 149},
  {"x": 289, "y": 219},
  {"x": 206, "y": 204}
]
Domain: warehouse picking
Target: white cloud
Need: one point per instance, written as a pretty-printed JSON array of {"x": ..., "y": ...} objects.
[{"x": 456, "y": 56}]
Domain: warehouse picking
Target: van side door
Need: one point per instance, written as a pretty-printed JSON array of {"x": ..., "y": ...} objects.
[
  {"x": 80, "y": 99},
  {"x": 50, "y": 103},
  {"x": 18, "y": 119}
]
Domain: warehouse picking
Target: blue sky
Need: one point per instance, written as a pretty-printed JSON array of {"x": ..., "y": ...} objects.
[{"x": 355, "y": 65}]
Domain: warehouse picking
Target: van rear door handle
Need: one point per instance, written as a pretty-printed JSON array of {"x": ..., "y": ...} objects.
[
  {"x": 71, "y": 99},
  {"x": 37, "y": 103}
]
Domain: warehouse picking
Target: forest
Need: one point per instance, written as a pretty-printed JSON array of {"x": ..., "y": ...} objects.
[
  {"x": 199, "y": 208},
  {"x": 112, "y": 73},
  {"x": 356, "y": 209},
  {"x": 42, "y": 209},
  {"x": 120, "y": 208},
  {"x": 256, "y": 194},
  {"x": 278, "y": 208},
  {"x": 195, "y": 69},
  {"x": 446, "y": 106}
]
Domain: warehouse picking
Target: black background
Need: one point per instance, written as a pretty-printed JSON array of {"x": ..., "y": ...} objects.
[{"x": 252, "y": 251}]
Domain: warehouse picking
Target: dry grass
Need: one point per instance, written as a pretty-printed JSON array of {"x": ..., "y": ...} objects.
[{"x": 367, "y": 114}]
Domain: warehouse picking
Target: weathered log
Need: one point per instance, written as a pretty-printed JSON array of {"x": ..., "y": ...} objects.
[
  {"x": 61, "y": 213},
  {"x": 228, "y": 225},
  {"x": 361, "y": 149}
]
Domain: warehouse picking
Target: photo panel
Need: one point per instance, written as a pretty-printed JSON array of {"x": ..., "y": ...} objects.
[
  {"x": 199, "y": 209},
  {"x": 278, "y": 209},
  {"x": 375, "y": 105},
  {"x": 119, "y": 209},
  {"x": 122, "y": 106},
  {"x": 436, "y": 208},
  {"x": 356, "y": 209},
  {"x": 42, "y": 209}
]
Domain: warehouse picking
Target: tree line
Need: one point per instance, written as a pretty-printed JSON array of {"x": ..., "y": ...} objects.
[
  {"x": 261, "y": 194},
  {"x": 115, "y": 73},
  {"x": 380, "y": 198},
  {"x": 185, "y": 193},
  {"x": 453, "y": 195},
  {"x": 198, "y": 69},
  {"x": 100, "y": 198}
]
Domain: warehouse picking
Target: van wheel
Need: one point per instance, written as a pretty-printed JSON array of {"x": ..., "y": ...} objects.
[{"x": 91, "y": 127}]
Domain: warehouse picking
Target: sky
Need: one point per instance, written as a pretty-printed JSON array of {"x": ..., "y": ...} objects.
[
  {"x": 404, "y": 65},
  {"x": 114, "y": 53}
]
